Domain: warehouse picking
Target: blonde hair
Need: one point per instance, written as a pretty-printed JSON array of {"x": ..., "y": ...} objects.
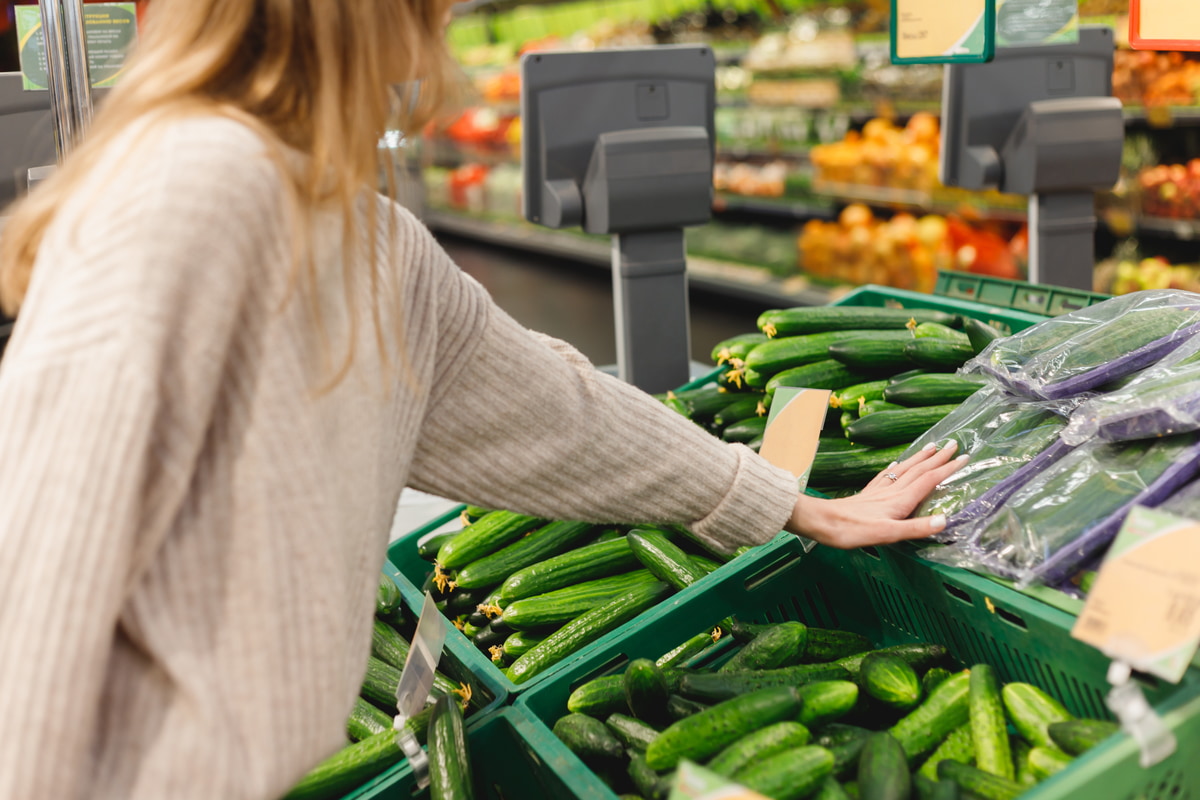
[{"x": 315, "y": 75}]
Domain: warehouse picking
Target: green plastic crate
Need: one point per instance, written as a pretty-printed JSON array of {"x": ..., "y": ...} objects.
[
  {"x": 1017, "y": 295},
  {"x": 1008, "y": 320},
  {"x": 892, "y": 598},
  {"x": 409, "y": 570}
]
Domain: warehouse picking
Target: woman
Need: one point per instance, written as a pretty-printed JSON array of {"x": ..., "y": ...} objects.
[{"x": 230, "y": 359}]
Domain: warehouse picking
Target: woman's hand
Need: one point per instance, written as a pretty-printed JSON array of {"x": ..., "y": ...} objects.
[{"x": 879, "y": 514}]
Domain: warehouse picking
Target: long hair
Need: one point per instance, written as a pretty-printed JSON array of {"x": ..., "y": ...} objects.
[{"x": 314, "y": 75}]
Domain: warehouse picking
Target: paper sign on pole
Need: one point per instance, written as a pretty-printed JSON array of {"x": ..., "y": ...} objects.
[
  {"x": 937, "y": 32},
  {"x": 1164, "y": 25}
]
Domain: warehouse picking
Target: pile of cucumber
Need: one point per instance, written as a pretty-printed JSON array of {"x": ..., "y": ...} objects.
[
  {"x": 530, "y": 592},
  {"x": 801, "y": 712},
  {"x": 373, "y": 745},
  {"x": 890, "y": 370}
]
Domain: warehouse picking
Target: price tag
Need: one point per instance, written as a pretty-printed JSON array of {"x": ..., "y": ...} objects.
[
  {"x": 693, "y": 782},
  {"x": 1021, "y": 23},
  {"x": 938, "y": 32},
  {"x": 416, "y": 679},
  {"x": 1164, "y": 25},
  {"x": 794, "y": 430},
  {"x": 1144, "y": 609}
]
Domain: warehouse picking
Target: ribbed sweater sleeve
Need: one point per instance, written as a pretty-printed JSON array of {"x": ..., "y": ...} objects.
[{"x": 522, "y": 421}]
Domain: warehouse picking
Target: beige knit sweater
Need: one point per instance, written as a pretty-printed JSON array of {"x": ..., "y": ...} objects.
[{"x": 190, "y": 535}]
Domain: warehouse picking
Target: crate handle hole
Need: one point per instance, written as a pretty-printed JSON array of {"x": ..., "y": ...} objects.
[
  {"x": 870, "y": 551},
  {"x": 770, "y": 572},
  {"x": 1011, "y": 618},
  {"x": 958, "y": 594}
]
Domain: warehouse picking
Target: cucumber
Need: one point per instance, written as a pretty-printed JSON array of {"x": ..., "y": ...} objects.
[
  {"x": 1077, "y": 736},
  {"x": 379, "y": 684},
  {"x": 471, "y": 514},
  {"x": 876, "y": 406},
  {"x": 429, "y": 544},
  {"x": 599, "y": 697},
  {"x": 719, "y": 686},
  {"x": 678, "y": 406},
  {"x": 919, "y": 656},
  {"x": 548, "y": 540},
  {"x": 488, "y": 636},
  {"x": 752, "y": 380},
  {"x": 924, "y": 728},
  {"x": 849, "y": 397},
  {"x": 789, "y": 352},
  {"x": 905, "y": 375},
  {"x": 555, "y": 608},
  {"x": 989, "y": 731},
  {"x": 980, "y": 334},
  {"x": 587, "y": 737},
  {"x": 366, "y": 720},
  {"x": 708, "y": 732},
  {"x": 790, "y": 775},
  {"x": 704, "y": 402},
  {"x": 467, "y": 601},
  {"x": 745, "y": 430},
  {"x": 1031, "y": 712},
  {"x": 826, "y": 701},
  {"x": 736, "y": 347},
  {"x": 815, "y": 319},
  {"x": 663, "y": 558},
  {"x": 958, "y": 746},
  {"x": 568, "y": 569},
  {"x": 852, "y": 467},
  {"x": 891, "y": 680},
  {"x": 846, "y": 743},
  {"x": 644, "y": 779},
  {"x": 585, "y": 628},
  {"x": 646, "y": 691},
  {"x": 1020, "y": 750},
  {"x": 705, "y": 565},
  {"x": 884, "y": 354},
  {"x": 743, "y": 408},
  {"x": 830, "y": 789},
  {"x": 762, "y": 743},
  {"x": 938, "y": 354},
  {"x": 387, "y": 597},
  {"x": 346, "y": 769},
  {"x": 632, "y": 733},
  {"x": 883, "y": 769},
  {"x": 931, "y": 390},
  {"x": 887, "y": 428},
  {"x": 1045, "y": 761},
  {"x": 827, "y": 374},
  {"x": 777, "y": 646},
  {"x": 449, "y": 756},
  {"x": 388, "y": 645},
  {"x": 679, "y": 707},
  {"x": 487, "y": 535},
  {"x": 938, "y": 330},
  {"x": 932, "y": 678},
  {"x": 689, "y": 649},
  {"x": 976, "y": 781},
  {"x": 519, "y": 643}
]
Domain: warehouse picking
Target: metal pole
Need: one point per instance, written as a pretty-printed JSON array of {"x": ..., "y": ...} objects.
[{"x": 67, "y": 68}]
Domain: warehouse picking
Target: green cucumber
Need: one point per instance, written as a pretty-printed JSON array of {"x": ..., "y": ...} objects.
[
  {"x": 939, "y": 354},
  {"x": 933, "y": 389},
  {"x": 875, "y": 406},
  {"x": 827, "y": 374},
  {"x": 958, "y": 746},
  {"x": 816, "y": 319},
  {"x": 548, "y": 540},
  {"x": 885, "y": 354},
  {"x": 745, "y": 407},
  {"x": 599, "y": 697},
  {"x": 587, "y": 737},
  {"x": 346, "y": 769},
  {"x": 936, "y": 329},
  {"x": 976, "y": 781},
  {"x": 1077, "y": 736},
  {"x": 679, "y": 707},
  {"x": 646, "y": 691},
  {"x": 387, "y": 597},
  {"x": 763, "y": 743},
  {"x": 777, "y": 355},
  {"x": 932, "y": 678},
  {"x": 366, "y": 720},
  {"x": 887, "y": 428},
  {"x": 919, "y": 656},
  {"x": 487, "y": 535},
  {"x": 736, "y": 347},
  {"x": 555, "y": 608},
  {"x": 471, "y": 514},
  {"x": 585, "y": 628},
  {"x": 568, "y": 569},
  {"x": 849, "y": 397},
  {"x": 778, "y": 645},
  {"x": 379, "y": 683},
  {"x": 632, "y": 733},
  {"x": 790, "y": 775},
  {"x": 989, "y": 730},
  {"x": 663, "y": 558},
  {"x": 519, "y": 643},
  {"x": 891, "y": 680},
  {"x": 388, "y": 645},
  {"x": 678, "y": 406},
  {"x": 690, "y": 648},
  {"x": 708, "y": 732},
  {"x": 1020, "y": 750},
  {"x": 846, "y": 743},
  {"x": 853, "y": 467},
  {"x": 449, "y": 756},
  {"x": 980, "y": 334},
  {"x": 830, "y": 789},
  {"x": 1031, "y": 712},
  {"x": 924, "y": 728},
  {"x": 1045, "y": 761},
  {"x": 704, "y": 402},
  {"x": 826, "y": 701},
  {"x": 644, "y": 779},
  {"x": 745, "y": 430},
  {"x": 429, "y": 544},
  {"x": 724, "y": 685},
  {"x": 883, "y": 769},
  {"x": 752, "y": 379}
]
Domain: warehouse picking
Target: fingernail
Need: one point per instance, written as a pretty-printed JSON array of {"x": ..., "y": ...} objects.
[
  {"x": 889, "y": 466},
  {"x": 929, "y": 446},
  {"x": 950, "y": 444},
  {"x": 963, "y": 457},
  {"x": 937, "y": 522}
]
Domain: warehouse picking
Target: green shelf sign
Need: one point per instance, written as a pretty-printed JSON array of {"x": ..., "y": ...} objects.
[{"x": 110, "y": 28}]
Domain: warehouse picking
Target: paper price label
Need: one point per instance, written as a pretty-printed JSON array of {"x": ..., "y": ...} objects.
[
  {"x": 1164, "y": 25},
  {"x": 938, "y": 32},
  {"x": 416, "y": 679},
  {"x": 794, "y": 430},
  {"x": 1144, "y": 608},
  {"x": 693, "y": 782}
]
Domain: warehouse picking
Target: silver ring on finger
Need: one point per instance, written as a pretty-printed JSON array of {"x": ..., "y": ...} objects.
[{"x": 891, "y": 476}]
